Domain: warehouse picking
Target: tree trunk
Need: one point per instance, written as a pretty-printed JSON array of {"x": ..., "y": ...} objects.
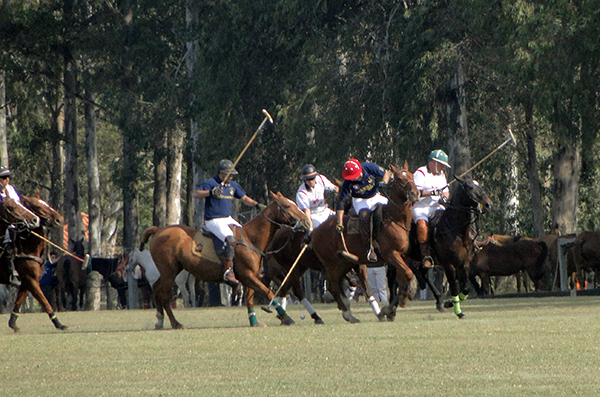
[
  {"x": 3, "y": 132},
  {"x": 532, "y": 172},
  {"x": 73, "y": 217},
  {"x": 567, "y": 165},
  {"x": 458, "y": 132},
  {"x": 159, "y": 214},
  {"x": 192, "y": 21},
  {"x": 93, "y": 175},
  {"x": 57, "y": 190},
  {"x": 175, "y": 159}
]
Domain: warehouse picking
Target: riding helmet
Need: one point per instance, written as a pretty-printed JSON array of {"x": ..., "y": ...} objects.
[
  {"x": 352, "y": 169},
  {"x": 4, "y": 171},
  {"x": 439, "y": 156},
  {"x": 309, "y": 172},
  {"x": 226, "y": 166}
]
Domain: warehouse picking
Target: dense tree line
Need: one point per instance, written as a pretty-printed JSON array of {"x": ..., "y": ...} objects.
[{"x": 119, "y": 107}]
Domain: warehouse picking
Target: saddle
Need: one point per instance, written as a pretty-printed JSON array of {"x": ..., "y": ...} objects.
[
  {"x": 353, "y": 225},
  {"x": 205, "y": 247}
]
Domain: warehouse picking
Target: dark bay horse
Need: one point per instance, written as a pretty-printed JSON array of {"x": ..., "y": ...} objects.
[
  {"x": 284, "y": 249},
  {"x": 113, "y": 270},
  {"x": 509, "y": 259},
  {"x": 586, "y": 254},
  {"x": 449, "y": 238},
  {"x": 29, "y": 262},
  {"x": 72, "y": 278},
  {"x": 392, "y": 241},
  {"x": 173, "y": 249}
]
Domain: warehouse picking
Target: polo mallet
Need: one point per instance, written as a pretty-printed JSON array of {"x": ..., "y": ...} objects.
[
  {"x": 262, "y": 125},
  {"x": 510, "y": 139},
  {"x": 85, "y": 261},
  {"x": 267, "y": 309},
  {"x": 347, "y": 253}
]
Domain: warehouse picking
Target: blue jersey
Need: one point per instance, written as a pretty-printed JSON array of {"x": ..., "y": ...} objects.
[
  {"x": 48, "y": 277},
  {"x": 367, "y": 187},
  {"x": 220, "y": 207}
]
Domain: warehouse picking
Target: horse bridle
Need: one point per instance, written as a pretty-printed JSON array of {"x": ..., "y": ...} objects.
[
  {"x": 298, "y": 224},
  {"x": 25, "y": 225},
  {"x": 406, "y": 196}
]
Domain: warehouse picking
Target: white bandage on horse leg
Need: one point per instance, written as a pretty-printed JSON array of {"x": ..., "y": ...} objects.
[
  {"x": 374, "y": 305},
  {"x": 308, "y": 306}
]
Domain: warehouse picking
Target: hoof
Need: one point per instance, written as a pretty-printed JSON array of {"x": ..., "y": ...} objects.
[
  {"x": 177, "y": 326},
  {"x": 448, "y": 304},
  {"x": 440, "y": 306},
  {"x": 286, "y": 320},
  {"x": 259, "y": 325},
  {"x": 158, "y": 327},
  {"x": 391, "y": 317},
  {"x": 319, "y": 321},
  {"x": 350, "y": 318},
  {"x": 62, "y": 327},
  {"x": 382, "y": 319},
  {"x": 15, "y": 328},
  {"x": 461, "y": 316}
]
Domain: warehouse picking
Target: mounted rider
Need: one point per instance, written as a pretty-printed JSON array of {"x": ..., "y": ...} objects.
[
  {"x": 310, "y": 196},
  {"x": 219, "y": 192},
  {"x": 8, "y": 191},
  {"x": 360, "y": 183},
  {"x": 431, "y": 182}
]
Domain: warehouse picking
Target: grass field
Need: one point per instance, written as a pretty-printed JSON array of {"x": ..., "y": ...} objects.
[{"x": 519, "y": 347}]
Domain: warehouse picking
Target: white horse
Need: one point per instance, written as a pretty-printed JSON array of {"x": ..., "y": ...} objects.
[{"x": 184, "y": 280}]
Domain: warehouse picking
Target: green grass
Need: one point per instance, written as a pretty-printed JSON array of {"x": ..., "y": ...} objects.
[{"x": 520, "y": 347}]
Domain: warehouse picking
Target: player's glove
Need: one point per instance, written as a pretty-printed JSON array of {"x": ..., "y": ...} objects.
[
  {"x": 339, "y": 228},
  {"x": 383, "y": 185},
  {"x": 217, "y": 192},
  {"x": 260, "y": 206}
]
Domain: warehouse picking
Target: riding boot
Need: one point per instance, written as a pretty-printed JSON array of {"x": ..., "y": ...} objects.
[
  {"x": 422, "y": 231},
  {"x": 366, "y": 221},
  {"x": 228, "y": 276}
]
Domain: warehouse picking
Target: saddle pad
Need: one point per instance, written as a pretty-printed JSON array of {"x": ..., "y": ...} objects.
[{"x": 205, "y": 247}]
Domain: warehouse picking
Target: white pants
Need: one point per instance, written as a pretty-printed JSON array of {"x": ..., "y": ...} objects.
[
  {"x": 422, "y": 210},
  {"x": 320, "y": 217},
  {"x": 378, "y": 283},
  {"x": 361, "y": 203},
  {"x": 220, "y": 227}
]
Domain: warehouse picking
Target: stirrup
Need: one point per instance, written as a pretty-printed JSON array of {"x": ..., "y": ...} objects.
[
  {"x": 371, "y": 255},
  {"x": 15, "y": 280},
  {"x": 427, "y": 259},
  {"x": 232, "y": 278}
]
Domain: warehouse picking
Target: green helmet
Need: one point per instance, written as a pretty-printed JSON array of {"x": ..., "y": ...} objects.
[{"x": 440, "y": 157}]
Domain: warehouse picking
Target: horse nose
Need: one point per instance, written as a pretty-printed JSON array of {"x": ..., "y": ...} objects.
[{"x": 35, "y": 221}]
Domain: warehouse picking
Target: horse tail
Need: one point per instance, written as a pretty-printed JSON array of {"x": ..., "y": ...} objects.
[
  {"x": 149, "y": 232},
  {"x": 541, "y": 260}
]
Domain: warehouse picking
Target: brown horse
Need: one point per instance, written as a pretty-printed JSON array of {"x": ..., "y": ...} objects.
[
  {"x": 173, "y": 249},
  {"x": 392, "y": 239},
  {"x": 72, "y": 278},
  {"x": 508, "y": 259},
  {"x": 29, "y": 262},
  {"x": 586, "y": 254},
  {"x": 284, "y": 249},
  {"x": 450, "y": 240}
]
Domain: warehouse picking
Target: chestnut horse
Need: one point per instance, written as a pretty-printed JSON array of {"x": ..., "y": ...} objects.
[
  {"x": 449, "y": 238},
  {"x": 392, "y": 239},
  {"x": 29, "y": 262},
  {"x": 173, "y": 249},
  {"x": 508, "y": 259}
]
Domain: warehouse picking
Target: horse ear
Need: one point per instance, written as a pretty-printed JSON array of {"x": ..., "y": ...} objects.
[
  {"x": 273, "y": 195},
  {"x": 394, "y": 169},
  {"x": 37, "y": 193},
  {"x": 406, "y": 165}
]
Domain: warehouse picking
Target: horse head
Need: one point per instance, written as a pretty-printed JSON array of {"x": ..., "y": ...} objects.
[
  {"x": 471, "y": 195},
  {"x": 13, "y": 212},
  {"x": 285, "y": 211},
  {"x": 403, "y": 186},
  {"x": 48, "y": 215}
]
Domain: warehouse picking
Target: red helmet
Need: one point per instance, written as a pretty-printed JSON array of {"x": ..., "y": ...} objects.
[{"x": 352, "y": 170}]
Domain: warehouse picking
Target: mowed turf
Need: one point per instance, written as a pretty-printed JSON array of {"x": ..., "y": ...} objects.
[{"x": 505, "y": 347}]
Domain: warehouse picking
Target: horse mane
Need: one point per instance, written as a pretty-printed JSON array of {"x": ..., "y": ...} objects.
[{"x": 146, "y": 236}]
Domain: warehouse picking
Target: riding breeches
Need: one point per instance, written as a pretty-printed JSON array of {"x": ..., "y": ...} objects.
[
  {"x": 368, "y": 203},
  {"x": 220, "y": 227}
]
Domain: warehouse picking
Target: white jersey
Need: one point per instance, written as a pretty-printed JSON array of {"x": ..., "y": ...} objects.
[
  {"x": 315, "y": 199},
  {"x": 425, "y": 180},
  {"x": 11, "y": 193}
]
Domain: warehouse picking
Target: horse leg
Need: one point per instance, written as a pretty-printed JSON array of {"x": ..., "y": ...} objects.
[
  {"x": 162, "y": 298},
  {"x": 37, "y": 293},
  {"x": 14, "y": 315},
  {"x": 363, "y": 277},
  {"x": 299, "y": 292},
  {"x": 335, "y": 289},
  {"x": 454, "y": 291},
  {"x": 251, "y": 281}
]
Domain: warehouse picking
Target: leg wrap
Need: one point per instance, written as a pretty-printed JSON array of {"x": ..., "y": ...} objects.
[
  {"x": 252, "y": 317},
  {"x": 456, "y": 305},
  {"x": 12, "y": 322}
]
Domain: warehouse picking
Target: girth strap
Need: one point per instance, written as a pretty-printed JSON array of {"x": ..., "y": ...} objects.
[{"x": 253, "y": 248}]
